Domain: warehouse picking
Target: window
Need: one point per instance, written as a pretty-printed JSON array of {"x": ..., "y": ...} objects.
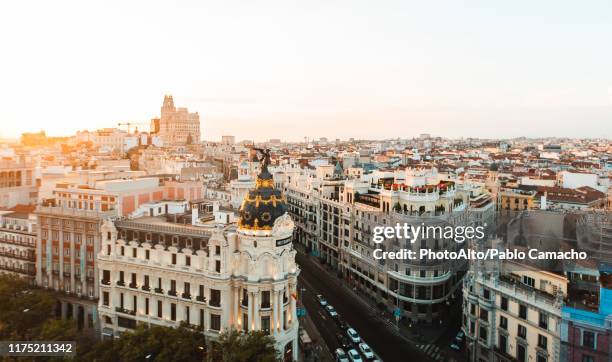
[
  {"x": 541, "y": 358},
  {"x": 134, "y": 252},
  {"x": 588, "y": 339},
  {"x": 542, "y": 341},
  {"x": 504, "y": 303},
  {"x": 486, "y": 294},
  {"x": 265, "y": 299},
  {"x": 188, "y": 261},
  {"x": 173, "y": 259},
  {"x": 503, "y": 322},
  {"x": 202, "y": 318},
  {"x": 218, "y": 266},
  {"x": 147, "y": 254},
  {"x": 188, "y": 315},
  {"x": 587, "y": 358},
  {"x": 522, "y": 331},
  {"x": 217, "y": 250},
  {"x": 147, "y": 306},
  {"x": 215, "y": 298},
  {"x": 159, "y": 309},
  {"x": 543, "y": 320},
  {"x": 483, "y": 333},
  {"x": 245, "y": 321},
  {"x": 105, "y": 298},
  {"x": 520, "y": 353},
  {"x": 472, "y": 309},
  {"x": 172, "y": 311},
  {"x": 215, "y": 322},
  {"x": 484, "y": 315},
  {"x": 522, "y": 311},
  {"x": 528, "y": 281},
  {"x": 503, "y": 343},
  {"x": 265, "y": 324}
]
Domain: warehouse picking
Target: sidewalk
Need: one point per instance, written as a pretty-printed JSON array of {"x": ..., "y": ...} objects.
[{"x": 415, "y": 334}]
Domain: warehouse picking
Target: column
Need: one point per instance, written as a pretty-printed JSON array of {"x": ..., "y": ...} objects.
[
  {"x": 292, "y": 301},
  {"x": 72, "y": 258},
  {"x": 281, "y": 311},
  {"x": 256, "y": 317},
  {"x": 236, "y": 302},
  {"x": 250, "y": 312},
  {"x": 60, "y": 276},
  {"x": 275, "y": 314}
]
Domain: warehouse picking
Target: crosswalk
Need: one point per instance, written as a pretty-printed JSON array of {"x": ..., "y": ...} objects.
[{"x": 431, "y": 350}]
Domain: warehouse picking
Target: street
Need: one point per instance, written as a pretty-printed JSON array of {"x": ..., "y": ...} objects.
[{"x": 385, "y": 343}]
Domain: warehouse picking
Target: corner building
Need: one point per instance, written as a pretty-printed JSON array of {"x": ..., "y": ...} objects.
[{"x": 209, "y": 276}]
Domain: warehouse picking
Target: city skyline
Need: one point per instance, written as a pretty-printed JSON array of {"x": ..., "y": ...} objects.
[{"x": 312, "y": 70}]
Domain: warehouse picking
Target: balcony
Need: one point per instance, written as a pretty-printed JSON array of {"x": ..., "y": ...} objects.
[
  {"x": 215, "y": 303},
  {"x": 159, "y": 290},
  {"x": 201, "y": 298},
  {"x": 146, "y": 288},
  {"x": 28, "y": 257},
  {"x": 125, "y": 311},
  {"x": 133, "y": 286},
  {"x": 18, "y": 270},
  {"x": 121, "y": 283},
  {"x": 172, "y": 293},
  {"x": 186, "y": 296},
  {"x": 105, "y": 282}
]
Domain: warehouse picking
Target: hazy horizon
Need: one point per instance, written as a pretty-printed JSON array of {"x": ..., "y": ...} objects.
[{"x": 279, "y": 69}]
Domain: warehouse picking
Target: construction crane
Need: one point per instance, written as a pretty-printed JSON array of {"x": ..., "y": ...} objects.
[{"x": 129, "y": 124}]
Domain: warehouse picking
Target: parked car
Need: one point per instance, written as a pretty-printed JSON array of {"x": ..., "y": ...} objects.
[
  {"x": 354, "y": 355},
  {"x": 366, "y": 351},
  {"x": 341, "y": 323},
  {"x": 353, "y": 336},
  {"x": 341, "y": 356},
  {"x": 322, "y": 300},
  {"x": 344, "y": 341},
  {"x": 455, "y": 346},
  {"x": 331, "y": 311},
  {"x": 459, "y": 336}
]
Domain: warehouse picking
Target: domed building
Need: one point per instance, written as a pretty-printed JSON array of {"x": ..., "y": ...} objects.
[{"x": 265, "y": 264}]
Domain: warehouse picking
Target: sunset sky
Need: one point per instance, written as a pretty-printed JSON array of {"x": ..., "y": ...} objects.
[{"x": 289, "y": 69}]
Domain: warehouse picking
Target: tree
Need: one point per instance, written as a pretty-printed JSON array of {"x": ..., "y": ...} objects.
[
  {"x": 23, "y": 309},
  {"x": 151, "y": 343},
  {"x": 234, "y": 346}
]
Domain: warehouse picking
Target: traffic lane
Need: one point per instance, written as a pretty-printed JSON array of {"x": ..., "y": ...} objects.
[
  {"x": 386, "y": 344},
  {"x": 324, "y": 323}
]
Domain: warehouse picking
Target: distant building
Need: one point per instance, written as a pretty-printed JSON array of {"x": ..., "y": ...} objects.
[
  {"x": 17, "y": 182},
  {"x": 228, "y": 140},
  {"x": 18, "y": 242},
  {"x": 178, "y": 127}
]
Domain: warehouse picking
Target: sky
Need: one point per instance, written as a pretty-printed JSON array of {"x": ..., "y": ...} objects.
[{"x": 295, "y": 69}]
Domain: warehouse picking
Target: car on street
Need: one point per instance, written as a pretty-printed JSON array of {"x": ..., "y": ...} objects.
[
  {"x": 341, "y": 323},
  {"x": 455, "y": 346},
  {"x": 354, "y": 355},
  {"x": 344, "y": 341},
  {"x": 331, "y": 311},
  {"x": 353, "y": 336},
  {"x": 322, "y": 300},
  {"x": 341, "y": 356},
  {"x": 366, "y": 351}
]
